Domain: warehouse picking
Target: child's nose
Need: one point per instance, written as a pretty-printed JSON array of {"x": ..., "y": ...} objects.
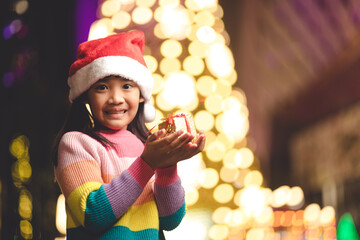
[{"x": 116, "y": 97}]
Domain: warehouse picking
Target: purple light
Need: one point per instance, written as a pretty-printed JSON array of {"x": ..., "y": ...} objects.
[
  {"x": 8, "y": 32},
  {"x": 8, "y": 79}
]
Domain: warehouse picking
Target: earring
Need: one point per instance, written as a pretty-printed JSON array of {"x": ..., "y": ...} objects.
[{"x": 90, "y": 115}]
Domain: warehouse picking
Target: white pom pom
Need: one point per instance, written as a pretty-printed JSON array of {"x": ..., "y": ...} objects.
[{"x": 149, "y": 112}]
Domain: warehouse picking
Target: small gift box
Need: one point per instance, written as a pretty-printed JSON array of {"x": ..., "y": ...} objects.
[{"x": 178, "y": 122}]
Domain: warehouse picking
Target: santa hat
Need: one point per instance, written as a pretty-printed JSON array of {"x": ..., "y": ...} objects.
[{"x": 121, "y": 55}]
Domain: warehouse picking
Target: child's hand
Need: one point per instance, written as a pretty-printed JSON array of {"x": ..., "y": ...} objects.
[{"x": 166, "y": 151}]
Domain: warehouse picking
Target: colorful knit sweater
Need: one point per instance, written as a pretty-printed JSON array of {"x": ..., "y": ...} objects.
[{"x": 111, "y": 193}]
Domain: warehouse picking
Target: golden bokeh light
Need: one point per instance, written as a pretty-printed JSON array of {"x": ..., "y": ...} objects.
[
  {"x": 223, "y": 88},
  {"x": 158, "y": 83},
  {"x": 191, "y": 196},
  {"x": 312, "y": 212},
  {"x": 253, "y": 178},
  {"x": 206, "y": 85},
  {"x": 21, "y": 7},
  {"x": 204, "y": 18},
  {"x": 245, "y": 159},
  {"x": 110, "y": 7},
  {"x": 327, "y": 215},
  {"x": 223, "y": 193},
  {"x": 171, "y": 48},
  {"x": 215, "y": 151},
  {"x": 221, "y": 215},
  {"x": 227, "y": 140},
  {"x": 280, "y": 196},
  {"x": 206, "y": 34},
  {"x": 229, "y": 175},
  {"x": 208, "y": 178},
  {"x": 145, "y": 3},
  {"x": 213, "y": 103},
  {"x": 26, "y": 229},
  {"x": 193, "y": 65},
  {"x": 142, "y": 15},
  {"x": 197, "y": 48},
  {"x": 169, "y": 65},
  {"x": 121, "y": 20},
  {"x": 295, "y": 197},
  {"x": 179, "y": 89},
  {"x": 220, "y": 60},
  {"x": 204, "y": 120},
  {"x": 151, "y": 63},
  {"x": 218, "y": 231}
]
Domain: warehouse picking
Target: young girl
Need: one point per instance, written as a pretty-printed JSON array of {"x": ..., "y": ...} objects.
[{"x": 119, "y": 183}]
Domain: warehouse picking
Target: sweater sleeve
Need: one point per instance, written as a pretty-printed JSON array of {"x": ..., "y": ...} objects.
[
  {"x": 92, "y": 203},
  {"x": 170, "y": 197}
]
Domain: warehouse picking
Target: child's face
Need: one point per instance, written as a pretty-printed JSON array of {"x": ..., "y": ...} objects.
[{"x": 114, "y": 102}]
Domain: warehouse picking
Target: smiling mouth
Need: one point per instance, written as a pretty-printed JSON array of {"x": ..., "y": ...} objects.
[{"x": 116, "y": 112}]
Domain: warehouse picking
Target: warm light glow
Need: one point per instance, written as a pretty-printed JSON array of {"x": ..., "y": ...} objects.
[
  {"x": 193, "y": 65},
  {"x": 61, "y": 215},
  {"x": 26, "y": 229},
  {"x": 198, "y": 48},
  {"x": 206, "y": 85},
  {"x": 229, "y": 160},
  {"x": 312, "y": 213},
  {"x": 245, "y": 159},
  {"x": 110, "y": 7},
  {"x": 171, "y": 48},
  {"x": 221, "y": 215},
  {"x": 189, "y": 171},
  {"x": 327, "y": 215},
  {"x": 169, "y": 65},
  {"x": 253, "y": 178},
  {"x": 218, "y": 231},
  {"x": 208, "y": 178},
  {"x": 223, "y": 193},
  {"x": 296, "y": 197},
  {"x": 234, "y": 123},
  {"x": 101, "y": 28},
  {"x": 255, "y": 234},
  {"x": 204, "y": 120},
  {"x": 213, "y": 103},
  {"x": 265, "y": 217},
  {"x": 280, "y": 196},
  {"x": 19, "y": 146},
  {"x": 151, "y": 63},
  {"x": 204, "y": 18},
  {"x": 252, "y": 199},
  {"x": 227, "y": 140},
  {"x": 223, "y": 88},
  {"x": 175, "y": 22},
  {"x": 228, "y": 174},
  {"x": 193, "y": 226},
  {"x": 25, "y": 205},
  {"x": 121, "y": 20},
  {"x": 142, "y": 15},
  {"x": 219, "y": 60},
  {"x": 215, "y": 151},
  {"x": 206, "y": 34},
  {"x": 21, "y": 7},
  {"x": 145, "y": 3},
  {"x": 158, "y": 83},
  {"x": 179, "y": 89},
  {"x": 191, "y": 195}
]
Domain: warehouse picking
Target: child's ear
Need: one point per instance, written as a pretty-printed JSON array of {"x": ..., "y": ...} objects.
[{"x": 142, "y": 99}]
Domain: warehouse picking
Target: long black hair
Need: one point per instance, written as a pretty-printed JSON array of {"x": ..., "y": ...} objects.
[{"x": 80, "y": 119}]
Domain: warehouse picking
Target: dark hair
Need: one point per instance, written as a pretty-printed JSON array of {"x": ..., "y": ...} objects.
[{"x": 79, "y": 119}]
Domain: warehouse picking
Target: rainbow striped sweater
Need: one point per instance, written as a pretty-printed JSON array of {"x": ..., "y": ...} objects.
[{"x": 111, "y": 193}]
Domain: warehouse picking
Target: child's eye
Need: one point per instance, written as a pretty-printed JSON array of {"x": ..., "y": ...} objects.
[
  {"x": 127, "y": 86},
  {"x": 101, "y": 87}
]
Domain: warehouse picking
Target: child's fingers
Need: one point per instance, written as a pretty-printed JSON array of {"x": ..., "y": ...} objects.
[{"x": 156, "y": 135}]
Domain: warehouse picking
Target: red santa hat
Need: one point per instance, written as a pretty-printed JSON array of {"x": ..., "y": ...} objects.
[{"x": 121, "y": 55}]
